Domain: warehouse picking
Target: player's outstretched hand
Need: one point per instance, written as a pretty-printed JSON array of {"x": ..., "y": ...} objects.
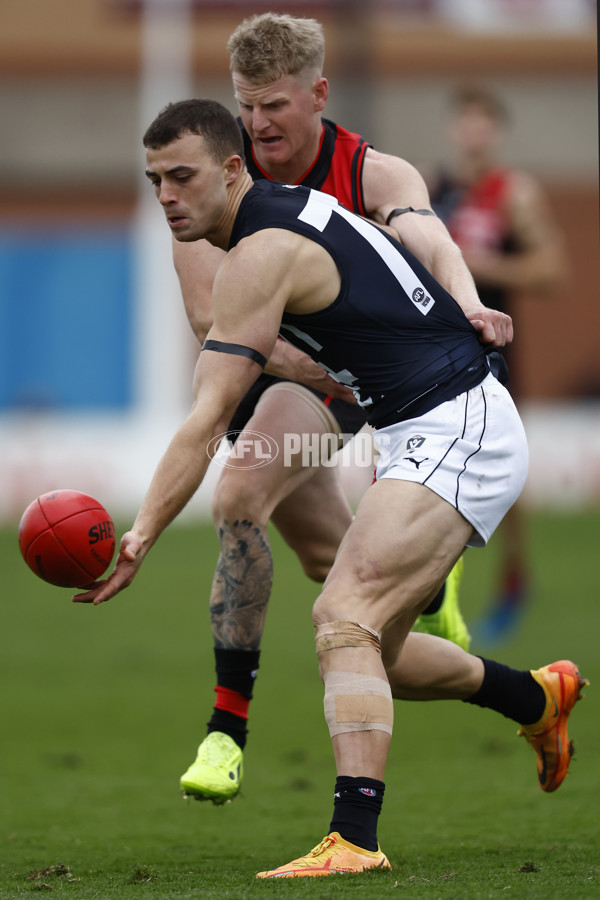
[
  {"x": 128, "y": 562},
  {"x": 494, "y": 327}
]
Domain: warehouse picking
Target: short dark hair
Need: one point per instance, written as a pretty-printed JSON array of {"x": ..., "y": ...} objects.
[
  {"x": 206, "y": 118},
  {"x": 479, "y": 95}
]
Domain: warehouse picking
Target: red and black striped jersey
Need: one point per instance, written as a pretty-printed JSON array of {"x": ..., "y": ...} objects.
[
  {"x": 336, "y": 170},
  {"x": 476, "y": 217}
]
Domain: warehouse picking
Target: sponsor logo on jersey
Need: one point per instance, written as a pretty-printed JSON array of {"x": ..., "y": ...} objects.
[{"x": 421, "y": 297}]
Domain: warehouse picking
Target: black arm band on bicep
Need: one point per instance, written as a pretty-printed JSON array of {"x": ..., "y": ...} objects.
[
  {"x": 236, "y": 350},
  {"x": 400, "y": 212}
]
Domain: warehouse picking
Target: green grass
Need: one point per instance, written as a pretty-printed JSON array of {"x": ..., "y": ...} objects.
[{"x": 103, "y": 707}]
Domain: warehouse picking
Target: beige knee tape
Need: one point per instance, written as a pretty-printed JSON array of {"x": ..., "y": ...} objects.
[
  {"x": 333, "y": 635},
  {"x": 357, "y": 703}
]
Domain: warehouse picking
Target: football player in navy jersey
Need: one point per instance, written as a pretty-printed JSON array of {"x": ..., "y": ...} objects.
[
  {"x": 277, "y": 70},
  {"x": 453, "y": 454}
]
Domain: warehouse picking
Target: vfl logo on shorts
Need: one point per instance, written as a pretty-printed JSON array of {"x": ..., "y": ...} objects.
[{"x": 414, "y": 442}]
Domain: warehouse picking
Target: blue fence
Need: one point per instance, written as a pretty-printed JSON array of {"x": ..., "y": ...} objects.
[{"x": 66, "y": 319}]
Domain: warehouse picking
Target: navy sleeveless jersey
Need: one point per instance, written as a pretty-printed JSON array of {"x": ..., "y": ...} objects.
[{"x": 393, "y": 334}]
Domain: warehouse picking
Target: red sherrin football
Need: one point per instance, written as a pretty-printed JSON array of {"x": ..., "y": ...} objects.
[{"x": 67, "y": 538}]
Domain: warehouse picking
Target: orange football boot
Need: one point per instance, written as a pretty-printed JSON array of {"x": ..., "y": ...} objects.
[
  {"x": 561, "y": 683},
  {"x": 333, "y": 855}
]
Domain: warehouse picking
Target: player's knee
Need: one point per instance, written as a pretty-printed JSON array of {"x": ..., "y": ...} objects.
[
  {"x": 327, "y": 609},
  {"x": 315, "y": 558},
  {"x": 236, "y": 499}
]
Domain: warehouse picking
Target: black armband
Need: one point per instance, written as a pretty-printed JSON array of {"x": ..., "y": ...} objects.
[
  {"x": 400, "y": 212},
  {"x": 236, "y": 350}
]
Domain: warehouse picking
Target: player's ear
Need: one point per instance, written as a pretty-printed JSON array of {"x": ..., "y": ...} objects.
[
  {"x": 232, "y": 167},
  {"x": 320, "y": 93}
]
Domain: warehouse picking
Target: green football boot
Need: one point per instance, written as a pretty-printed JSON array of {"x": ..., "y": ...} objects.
[
  {"x": 447, "y": 622},
  {"x": 217, "y": 771}
]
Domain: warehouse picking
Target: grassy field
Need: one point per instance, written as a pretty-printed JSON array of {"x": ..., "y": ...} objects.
[{"x": 103, "y": 709}]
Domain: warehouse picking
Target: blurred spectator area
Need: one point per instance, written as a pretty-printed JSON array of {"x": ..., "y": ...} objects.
[{"x": 71, "y": 159}]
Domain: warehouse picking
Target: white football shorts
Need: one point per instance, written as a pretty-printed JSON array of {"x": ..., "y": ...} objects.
[{"x": 471, "y": 450}]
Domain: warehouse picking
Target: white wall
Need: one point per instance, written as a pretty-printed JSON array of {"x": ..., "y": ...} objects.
[{"x": 113, "y": 460}]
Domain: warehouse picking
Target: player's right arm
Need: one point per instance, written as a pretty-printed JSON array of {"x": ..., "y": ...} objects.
[
  {"x": 248, "y": 317},
  {"x": 220, "y": 382},
  {"x": 197, "y": 264}
]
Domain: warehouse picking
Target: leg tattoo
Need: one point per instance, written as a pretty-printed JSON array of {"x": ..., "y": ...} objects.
[{"x": 241, "y": 586}]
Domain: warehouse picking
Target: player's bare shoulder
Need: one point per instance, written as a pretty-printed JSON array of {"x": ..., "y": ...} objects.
[
  {"x": 278, "y": 268},
  {"x": 263, "y": 257},
  {"x": 252, "y": 269}
]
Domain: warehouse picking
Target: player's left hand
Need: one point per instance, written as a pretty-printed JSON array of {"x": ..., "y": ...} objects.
[
  {"x": 494, "y": 327},
  {"x": 128, "y": 562},
  {"x": 313, "y": 375},
  {"x": 292, "y": 364}
]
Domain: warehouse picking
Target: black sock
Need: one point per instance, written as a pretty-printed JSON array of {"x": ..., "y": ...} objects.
[
  {"x": 236, "y": 670},
  {"x": 356, "y": 807},
  {"x": 436, "y": 602},
  {"x": 235, "y": 726},
  {"x": 511, "y": 692}
]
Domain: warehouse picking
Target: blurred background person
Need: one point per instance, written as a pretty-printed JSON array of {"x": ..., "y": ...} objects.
[{"x": 501, "y": 219}]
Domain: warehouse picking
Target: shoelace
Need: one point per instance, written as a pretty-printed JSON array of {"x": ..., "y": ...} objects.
[
  {"x": 325, "y": 843},
  {"x": 213, "y": 750}
]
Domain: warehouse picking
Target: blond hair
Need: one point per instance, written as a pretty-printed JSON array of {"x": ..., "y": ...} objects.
[{"x": 265, "y": 47}]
